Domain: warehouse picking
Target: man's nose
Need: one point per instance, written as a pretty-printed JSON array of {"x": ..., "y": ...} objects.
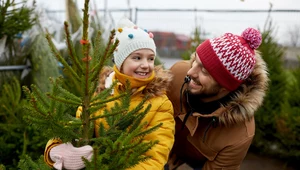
[{"x": 192, "y": 72}]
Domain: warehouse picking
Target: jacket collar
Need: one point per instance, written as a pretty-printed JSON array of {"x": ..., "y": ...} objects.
[
  {"x": 157, "y": 86},
  {"x": 134, "y": 82}
]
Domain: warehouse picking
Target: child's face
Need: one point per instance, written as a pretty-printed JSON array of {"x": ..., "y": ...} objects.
[{"x": 139, "y": 64}]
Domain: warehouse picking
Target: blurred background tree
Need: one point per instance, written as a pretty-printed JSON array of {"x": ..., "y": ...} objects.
[
  {"x": 277, "y": 121},
  {"x": 16, "y": 137},
  {"x": 196, "y": 39}
]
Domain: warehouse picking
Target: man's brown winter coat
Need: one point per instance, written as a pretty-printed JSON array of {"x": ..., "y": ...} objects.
[{"x": 221, "y": 139}]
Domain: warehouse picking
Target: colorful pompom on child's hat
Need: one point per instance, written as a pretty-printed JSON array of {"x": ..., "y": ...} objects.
[
  {"x": 131, "y": 38},
  {"x": 230, "y": 59}
]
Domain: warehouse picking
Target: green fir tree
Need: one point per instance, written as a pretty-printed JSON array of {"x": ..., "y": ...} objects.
[
  {"x": 121, "y": 146},
  {"x": 16, "y": 137},
  {"x": 15, "y": 18},
  {"x": 266, "y": 141},
  {"x": 73, "y": 17},
  {"x": 287, "y": 122},
  {"x": 196, "y": 40}
]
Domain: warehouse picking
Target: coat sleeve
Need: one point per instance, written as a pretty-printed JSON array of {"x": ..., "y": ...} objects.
[
  {"x": 50, "y": 144},
  {"x": 165, "y": 136},
  {"x": 230, "y": 158}
]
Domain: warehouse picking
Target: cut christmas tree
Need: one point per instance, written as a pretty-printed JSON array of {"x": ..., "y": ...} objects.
[{"x": 121, "y": 144}]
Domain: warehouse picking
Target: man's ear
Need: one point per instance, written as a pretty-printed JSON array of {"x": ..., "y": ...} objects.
[{"x": 223, "y": 91}]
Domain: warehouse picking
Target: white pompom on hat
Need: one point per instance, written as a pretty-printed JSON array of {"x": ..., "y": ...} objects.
[{"x": 131, "y": 38}]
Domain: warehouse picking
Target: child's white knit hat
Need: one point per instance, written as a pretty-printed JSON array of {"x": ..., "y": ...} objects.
[{"x": 131, "y": 38}]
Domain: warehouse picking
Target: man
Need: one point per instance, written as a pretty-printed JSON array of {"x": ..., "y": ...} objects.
[{"x": 215, "y": 96}]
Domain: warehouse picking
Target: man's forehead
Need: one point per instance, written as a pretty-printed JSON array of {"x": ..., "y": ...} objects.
[{"x": 197, "y": 59}]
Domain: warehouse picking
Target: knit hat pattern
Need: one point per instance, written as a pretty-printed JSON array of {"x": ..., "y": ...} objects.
[
  {"x": 230, "y": 59},
  {"x": 131, "y": 38}
]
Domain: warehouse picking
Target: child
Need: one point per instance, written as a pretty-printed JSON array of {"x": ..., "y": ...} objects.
[{"x": 134, "y": 61}]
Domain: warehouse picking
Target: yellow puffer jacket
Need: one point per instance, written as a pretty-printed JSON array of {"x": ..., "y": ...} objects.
[{"x": 161, "y": 112}]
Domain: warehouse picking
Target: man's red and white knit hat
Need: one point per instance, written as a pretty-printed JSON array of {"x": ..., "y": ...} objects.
[{"x": 230, "y": 59}]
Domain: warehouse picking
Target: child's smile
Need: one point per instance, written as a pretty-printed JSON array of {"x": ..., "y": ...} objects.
[{"x": 139, "y": 64}]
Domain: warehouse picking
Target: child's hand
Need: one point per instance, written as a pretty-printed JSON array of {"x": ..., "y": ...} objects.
[{"x": 69, "y": 157}]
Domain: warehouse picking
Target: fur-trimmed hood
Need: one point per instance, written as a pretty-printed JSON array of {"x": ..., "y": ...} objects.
[
  {"x": 249, "y": 97},
  {"x": 156, "y": 87}
]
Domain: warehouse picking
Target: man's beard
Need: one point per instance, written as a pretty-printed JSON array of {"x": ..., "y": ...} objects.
[{"x": 208, "y": 93}]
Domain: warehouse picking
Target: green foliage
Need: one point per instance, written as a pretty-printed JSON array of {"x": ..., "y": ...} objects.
[
  {"x": 43, "y": 64},
  {"x": 157, "y": 61},
  {"x": 10, "y": 122},
  {"x": 2, "y": 167},
  {"x": 277, "y": 121},
  {"x": 28, "y": 164},
  {"x": 48, "y": 115},
  {"x": 15, "y": 18},
  {"x": 121, "y": 144},
  {"x": 73, "y": 15},
  {"x": 272, "y": 53},
  {"x": 16, "y": 137},
  {"x": 98, "y": 47},
  {"x": 287, "y": 122},
  {"x": 196, "y": 40}
]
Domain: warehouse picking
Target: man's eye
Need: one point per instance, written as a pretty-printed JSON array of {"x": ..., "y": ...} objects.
[{"x": 204, "y": 71}]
